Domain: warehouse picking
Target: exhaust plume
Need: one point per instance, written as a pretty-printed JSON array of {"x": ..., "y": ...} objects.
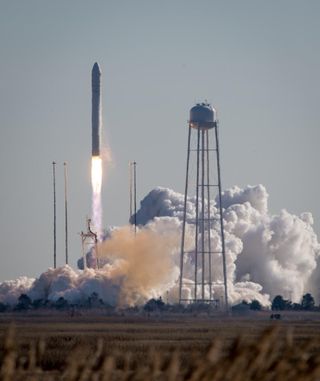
[
  {"x": 266, "y": 255},
  {"x": 143, "y": 261},
  {"x": 96, "y": 182}
]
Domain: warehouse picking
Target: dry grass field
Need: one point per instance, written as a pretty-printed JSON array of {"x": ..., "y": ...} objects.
[{"x": 56, "y": 346}]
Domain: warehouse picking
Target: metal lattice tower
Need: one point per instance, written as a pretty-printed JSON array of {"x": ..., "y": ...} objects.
[
  {"x": 203, "y": 127},
  {"x": 90, "y": 238}
]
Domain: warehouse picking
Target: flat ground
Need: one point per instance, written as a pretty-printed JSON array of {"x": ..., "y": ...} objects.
[
  {"x": 138, "y": 334},
  {"x": 190, "y": 335}
]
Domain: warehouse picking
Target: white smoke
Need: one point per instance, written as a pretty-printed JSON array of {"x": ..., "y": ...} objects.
[
  {"x": 137, "y": 268},
  {"x": 145, "y": 261},
  {"x": 266, "y": 255},
  {"x": 10, "y": 290}
]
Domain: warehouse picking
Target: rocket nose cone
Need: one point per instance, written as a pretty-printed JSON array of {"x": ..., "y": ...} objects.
[{"x": 96, "y": 68}]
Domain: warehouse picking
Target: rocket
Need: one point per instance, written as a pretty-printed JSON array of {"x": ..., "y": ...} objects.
[{"x": 96, "y": 109}]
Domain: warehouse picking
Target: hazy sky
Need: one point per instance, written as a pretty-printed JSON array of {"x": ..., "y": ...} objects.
[{"x": 256, "y": 61}]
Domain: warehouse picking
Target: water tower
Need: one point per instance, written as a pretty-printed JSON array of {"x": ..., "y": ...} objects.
[{"x": 203, "y": 154}]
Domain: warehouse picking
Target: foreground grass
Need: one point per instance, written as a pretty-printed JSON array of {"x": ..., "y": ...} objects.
[{"x": 104, "y": 348}]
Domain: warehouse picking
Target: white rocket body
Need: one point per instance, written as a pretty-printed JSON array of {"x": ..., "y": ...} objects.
[{"x": 96, "y": 109}]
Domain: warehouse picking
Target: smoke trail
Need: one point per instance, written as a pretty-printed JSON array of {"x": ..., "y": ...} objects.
[
  {"x": 145, "y": 261},
  {"x": 96, "y": 181}
]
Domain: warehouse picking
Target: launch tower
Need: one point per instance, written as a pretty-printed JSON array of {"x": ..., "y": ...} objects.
[{"x": 203, "y": 151}]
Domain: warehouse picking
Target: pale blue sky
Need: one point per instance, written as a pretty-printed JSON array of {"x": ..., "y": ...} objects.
[{"x": 256, "y": 61}]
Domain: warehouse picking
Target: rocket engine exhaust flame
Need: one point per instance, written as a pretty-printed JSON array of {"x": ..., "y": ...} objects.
[
  {"x": 96, "y": 174},
  {"x": 96, "y": 181}
]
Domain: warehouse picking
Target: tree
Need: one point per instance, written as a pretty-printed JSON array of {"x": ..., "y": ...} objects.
[
  {"x": 296, "y": 306},
  {"x": 38, "y": 303},
  {"x": 61, "y": 303},
  {"x": 278, "y": 303},
  {"x": 307, "y": 302},
  {"x": 154, "y": 305},
  {"x": 94, "y": 301},
  {"x": 288, "y": 305},
  {"x": 3, "y": 307},
  {"x": 255, "y": 305},
  {"x": 24, "y": 302}
]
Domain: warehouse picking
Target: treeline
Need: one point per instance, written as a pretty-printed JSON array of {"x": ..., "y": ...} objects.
[
  {"x": 25, "y": 303},
  {"x": 280, "y": 304},
  {"x": 307, "y": 304}
]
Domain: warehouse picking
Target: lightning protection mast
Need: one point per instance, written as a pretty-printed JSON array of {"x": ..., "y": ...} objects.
[
  {"x": 66, "y": 210},
  {"x": 54, "y": 216}
]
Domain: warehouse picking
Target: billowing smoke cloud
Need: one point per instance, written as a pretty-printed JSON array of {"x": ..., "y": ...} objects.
[
  {"x": 144, "y": 262},
  {"x": 266, "y": 255},
  {"x": 11, "y": 290},
  {"x": 137, "y": 267}
]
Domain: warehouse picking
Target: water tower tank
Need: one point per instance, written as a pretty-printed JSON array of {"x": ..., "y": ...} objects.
[{"x": 203, "y": 116}]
